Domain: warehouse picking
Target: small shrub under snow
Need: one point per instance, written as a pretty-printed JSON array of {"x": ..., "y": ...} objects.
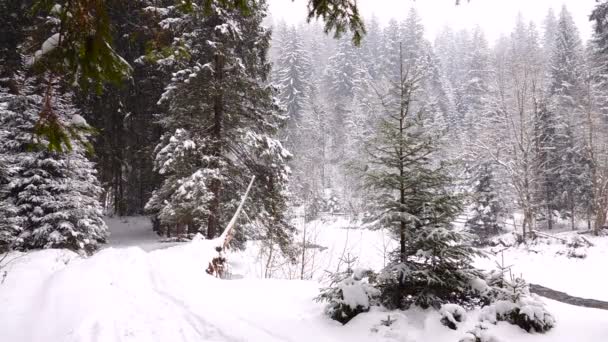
[
  {"x": 479, "y": 334},
  {"x": 528, "y": 313},
  {"x": 348, "y": 294},
  {"x": 451, "y": 315},
  {"x": 577, "y": 247},
  {"x": 512, "y": 302}
]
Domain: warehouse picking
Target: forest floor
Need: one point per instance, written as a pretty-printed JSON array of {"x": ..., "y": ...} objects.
[{"x": 150, "y": 293}]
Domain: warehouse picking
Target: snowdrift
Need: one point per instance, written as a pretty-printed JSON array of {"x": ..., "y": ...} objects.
[{"x": 129, "y": 295}]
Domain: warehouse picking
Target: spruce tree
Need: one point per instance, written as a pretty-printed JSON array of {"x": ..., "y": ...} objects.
[
  {"x": 567, "y": 66},
  {"x": 547, "y": 163},
  {"x": 50, "y": 199},
  {"x": 220, "y": 125},
  {"x": 293, "y": 70},
  {"x": 413, "y": 200},
  {"x": 293, "y": 77},
  {"x": 487, "y": 207},
  {"x": 476, "y": 87}
]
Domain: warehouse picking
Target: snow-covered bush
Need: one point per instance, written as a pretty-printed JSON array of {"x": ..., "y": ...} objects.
[
  {"x": 511, "y": 301},
  {"x": 577, "y": 247},
  {"x": 438, "y": 270},
  {"x": 527, "y": 313},
  {"x": 348, "y": 294},
  {"x": 452, "y": 314},
  {"x": 330, "y": 202},
  {"x": 505, "y": 240},
  {"x": 479, "y": 334}
]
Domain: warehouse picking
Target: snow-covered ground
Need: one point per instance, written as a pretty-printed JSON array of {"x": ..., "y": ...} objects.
[
  {"x": 546, "y": 263},
  {"x": 128, "y": 294}
]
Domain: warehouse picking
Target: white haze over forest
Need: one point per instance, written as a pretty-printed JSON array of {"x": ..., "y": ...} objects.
[{"x": 495, "y": 17}]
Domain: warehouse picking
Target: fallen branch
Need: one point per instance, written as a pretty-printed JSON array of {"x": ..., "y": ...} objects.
[
  {"x": 589, "y": 243},
  {"x": 217, "y": 265},
  {"x": 228, "y": 233},
  {"x": 536, "y": 232}
]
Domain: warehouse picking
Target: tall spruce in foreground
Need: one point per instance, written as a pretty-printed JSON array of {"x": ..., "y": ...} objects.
[
  {"x": 433, "y": 263},
  {"x": 49, "y": 199},
  {"x": 220, "y": 125}
]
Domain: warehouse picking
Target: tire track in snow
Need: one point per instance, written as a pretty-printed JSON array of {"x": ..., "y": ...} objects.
[{"x": 203, "y": 328}]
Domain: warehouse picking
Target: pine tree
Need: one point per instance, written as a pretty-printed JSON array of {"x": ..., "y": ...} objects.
[
  {"x": 595, "y": 108},
  {"x": 413, "y": 200},
  {"x": 476, "y": 87},
  {"x": 547, "y": 163},
  {"x": 511, "y": 115},
  {"x": 220, "y": 125},
  {"x": 390, "y": 57},
  {"x": 341, "y": 80},
  {"x": 549, "y": 43},
  {"x": 14, "y": 21},
  {"x": 10, "y": 225},
  {"x": 372, "y": 47},
  {"x": 293, "y": 77},
  {"x": 567, "y": 68},
  {"x": 52, "y": 197},
  {"x": 125, "y": 112},
  {"x": 487, "y": 207}
]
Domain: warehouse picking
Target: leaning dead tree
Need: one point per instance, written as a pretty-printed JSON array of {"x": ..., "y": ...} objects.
[{"x": 217, "y": 265}]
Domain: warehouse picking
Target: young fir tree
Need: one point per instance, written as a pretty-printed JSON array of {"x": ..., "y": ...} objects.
[
  {"x": 220, "y": 124},
  {"x": 433, "y": 263},
  {"x": 487, "y": 208},
  {"x": 50, "y": 199}
]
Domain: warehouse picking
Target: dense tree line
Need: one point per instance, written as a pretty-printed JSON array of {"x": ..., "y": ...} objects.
[
  {"x": 182, "y": 102},
  {"x": 191, "y": 118},
  {"x": 524, "y": 117}
]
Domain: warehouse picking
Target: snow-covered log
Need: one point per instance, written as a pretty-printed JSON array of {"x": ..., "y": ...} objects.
[{"x": 216, "y": 266}]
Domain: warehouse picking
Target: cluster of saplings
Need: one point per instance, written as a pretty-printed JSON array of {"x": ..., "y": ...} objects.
[{"x": 446, "y": 287}]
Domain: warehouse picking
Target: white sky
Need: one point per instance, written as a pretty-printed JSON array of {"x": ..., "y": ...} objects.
[{"x": 494, "y": 16}]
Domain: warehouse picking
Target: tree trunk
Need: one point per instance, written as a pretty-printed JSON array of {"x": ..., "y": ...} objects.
[
  {"x": 401, "y": 165},
  {"x": 268, "y": 273},
  {"x": 218, "y": 112},
  {"x": 549, "y": 211},
  {"x": 572, "y": 218},
  {"x": 303, "y": 249}
]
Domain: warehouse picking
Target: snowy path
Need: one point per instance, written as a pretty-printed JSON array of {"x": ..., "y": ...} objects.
[
  {"x": 130, "y": 295},
  {"x": 134, "y": 231}
]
